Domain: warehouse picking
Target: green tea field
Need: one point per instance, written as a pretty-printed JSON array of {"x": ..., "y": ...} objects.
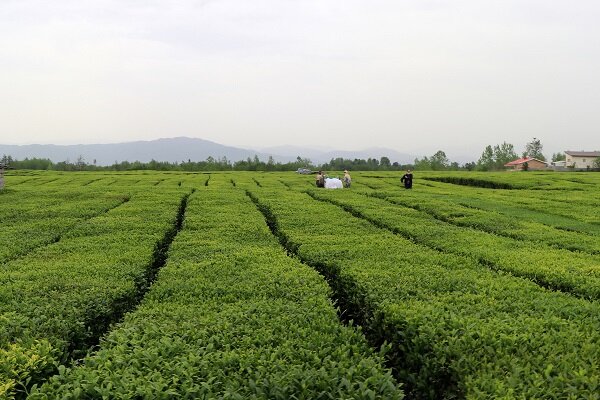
[{"x": 168, "y": 285}]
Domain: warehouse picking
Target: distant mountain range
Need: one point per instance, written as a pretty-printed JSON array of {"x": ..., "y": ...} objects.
[{"x": 182, "y": 149}]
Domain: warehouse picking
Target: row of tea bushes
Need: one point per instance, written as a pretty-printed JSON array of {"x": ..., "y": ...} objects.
[
  {"x": 40, "y": 212},
  {"x": 558, "y": 269},
  {"x": 547, "y": 181},
  {"x": 57, "y": 300},
  {"x": 31, "y": 220},
  {"x": 37, "y": 214},
  {"x": 231, "y": 316},
  {"x": 457, "y": 329},
  {"x": 494, "y": 222},
  {"x": 483, "y": 182},
  {"x": 571, "y": 210},
  {"x": 582, "y": 210},
  {"x": 495, "y": 202},
  {"x": 582, "y": 193}
]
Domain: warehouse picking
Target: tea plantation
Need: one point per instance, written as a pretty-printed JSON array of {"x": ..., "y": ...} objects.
[{"x": 165, "y": 285}]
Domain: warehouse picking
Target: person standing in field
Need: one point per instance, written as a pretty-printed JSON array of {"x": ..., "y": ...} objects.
[
  {"x": 407, "y": 178},
  {"x": 320, "y": 179},
  {"x": 347, "y": 179}
]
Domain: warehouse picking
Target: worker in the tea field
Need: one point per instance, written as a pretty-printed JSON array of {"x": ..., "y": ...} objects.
[
  {"x": 407, "y": 178},
  {"x": 347, "y": 179},
  {"x": 320, "y": 179}
]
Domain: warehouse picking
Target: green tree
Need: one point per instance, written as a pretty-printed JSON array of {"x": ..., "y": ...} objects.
[
  {"x": 385, "y": 162},
  {"x": 534, "y": 149},
  {"x": 470, "y": 166},
  {"x": 439, "y": 161},
  {"x": 80, "y": 163},
  {"x": 494, "y": 158},
  {"x": 486, "y": 161},
  {"x": 559, "y": 157},
  {"x": 596, "y": 163},
  {"x": 504, "y": 153},
  {"x": 270, "y": 164},
  {"x": 422, "y": 164}
]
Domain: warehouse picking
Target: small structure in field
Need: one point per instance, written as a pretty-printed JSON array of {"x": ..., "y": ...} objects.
[
  {"x": 581, "y": 159},
  {"x": 525, "y": 164}
]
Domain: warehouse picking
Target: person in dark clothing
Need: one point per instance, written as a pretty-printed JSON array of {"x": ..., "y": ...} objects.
[
  {"x": 407, "y": 179},
  {"x": 320, "y": 180}
]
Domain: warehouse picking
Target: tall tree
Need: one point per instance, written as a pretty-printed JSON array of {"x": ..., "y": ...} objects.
[
  {"x": 486, "y": 161},
  {"x": 534, "y": 149},
  {"x": 80, "y": 163},
  {"x": 439, "y": 161},
  {"x": 470, "y": 166},
  {"x": 495, "y": 157},
  {"x": 503, "y": 153},
  {"x": 422, "y": 164}
]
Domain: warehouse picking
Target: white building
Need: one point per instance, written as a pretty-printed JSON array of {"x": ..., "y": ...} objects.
[{"x": 581, "y": 159}]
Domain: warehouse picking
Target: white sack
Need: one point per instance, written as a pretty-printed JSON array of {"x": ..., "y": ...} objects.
[{"x": 333, "y": 183}]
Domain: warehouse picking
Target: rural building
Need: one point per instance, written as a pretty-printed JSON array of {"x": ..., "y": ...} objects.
[
  {"x": 532, "y": 164},
  {"x": 581, "y": 159}
]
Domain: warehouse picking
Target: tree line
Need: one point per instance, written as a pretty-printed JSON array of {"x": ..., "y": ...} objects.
[
  {"x": 492, "y": 158},
  {"x": 438, "y": 161},
  {"x": 210, "y": 164}
]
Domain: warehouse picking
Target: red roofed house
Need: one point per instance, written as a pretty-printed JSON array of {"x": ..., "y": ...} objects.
[
  {"x": 532, "y": 164},
  {"x": 581, "y": 159}
]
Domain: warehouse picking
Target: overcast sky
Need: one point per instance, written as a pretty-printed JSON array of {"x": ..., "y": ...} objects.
[{"x": 412, "y": 75}]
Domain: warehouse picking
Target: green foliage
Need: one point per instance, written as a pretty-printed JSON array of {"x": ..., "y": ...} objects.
[
  {"x": 470, "y": 181},
  {"x": 60, "y": 293},
  {"x": 24, "y": 362},
  {"x": 36, "y": 218},
  {"x": 534, "y": 149},
  {"x": 456, "y": 327},
  {"x": 357, "y": 164},
  {"x": 230, "y": 316},
  {"x": 437, "y": 162},
  {"x": 385, "y": 163},
  {"x": 31, "y": 163},
  {"x": 486, "y": 161},
  {"x": 478, "y": 285},
  {"x": 495, "y": 158}
]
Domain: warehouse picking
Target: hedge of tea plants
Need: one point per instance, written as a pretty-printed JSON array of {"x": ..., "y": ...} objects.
[
  {"x": 457, "y": 328},
  {"x": 230, "y": 316},
  {"x": 35, "y": 218},
  {"x": 560, "y": 269},
  {"x": 56, "y": 300},
  {"x": 465, "y": 291}
]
